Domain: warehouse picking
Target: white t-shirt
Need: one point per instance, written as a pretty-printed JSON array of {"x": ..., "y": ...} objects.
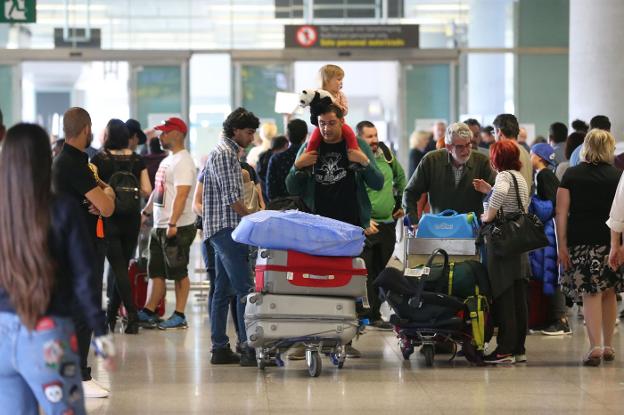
[{"x": 175, "y": 170}]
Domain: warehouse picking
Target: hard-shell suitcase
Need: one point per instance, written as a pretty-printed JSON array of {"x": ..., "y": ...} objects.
[
  {"x": 292, "y": 272},
  {"x": 271, "y": 318},
  {"x": 137, "y": 272}
]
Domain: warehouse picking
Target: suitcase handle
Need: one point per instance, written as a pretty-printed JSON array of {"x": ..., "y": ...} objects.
[{"x": 291, "y": 276}]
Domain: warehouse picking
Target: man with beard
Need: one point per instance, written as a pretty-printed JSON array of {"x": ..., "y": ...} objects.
[
  {"x": 447, "y": 175},
  {"x": 73, "y": 175}
]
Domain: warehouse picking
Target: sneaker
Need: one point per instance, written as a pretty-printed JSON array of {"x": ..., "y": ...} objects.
[
  {"x": 224, "y": 356},
  {"x": 173, "y": 322},
  {"x": 147, "y": 321},
  {"x": 352, "y": 352},
  {"x": 92, "y": 389},
  {"x": 500, "y": 359},
  {"x": 560, "y": 328},
  {"x": 521, "y": 358},
  {"x": 297, "y": 353},
  {"x": 381, "y": 325},
  {"x": 248, "y": 357}
]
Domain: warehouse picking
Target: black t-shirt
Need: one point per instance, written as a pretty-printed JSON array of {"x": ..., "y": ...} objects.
[
  {"x": 335, "y": 193},
  {"x": 72, "y": 176},
  {"x": 592, "y": 189},
  {"x": 108, "y": 163},
  {"x": 547, "y": 185}
]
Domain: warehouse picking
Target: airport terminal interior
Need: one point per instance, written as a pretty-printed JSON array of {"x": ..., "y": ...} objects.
[{"x": 415, "y": 70}]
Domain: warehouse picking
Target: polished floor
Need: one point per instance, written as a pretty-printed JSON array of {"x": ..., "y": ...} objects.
[{"x": 170, "y": 373}]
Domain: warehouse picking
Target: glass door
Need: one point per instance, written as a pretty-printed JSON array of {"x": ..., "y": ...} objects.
[{"x": 10, "y": 98}]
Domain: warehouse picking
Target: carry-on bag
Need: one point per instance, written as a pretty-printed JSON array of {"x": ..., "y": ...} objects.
[
  {"x": 448, "y": 224},
  {"x": 137, "y": 272},
  {"x": 299, "y": 231},
  {"x": 291, "y": 272},
  {"x": 271, "y": 318}
]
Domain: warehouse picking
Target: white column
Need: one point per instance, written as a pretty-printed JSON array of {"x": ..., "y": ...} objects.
[{"x": 597, "y": 61}]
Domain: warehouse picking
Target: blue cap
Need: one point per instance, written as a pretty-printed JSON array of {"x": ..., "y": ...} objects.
[{"x": 545, "y": 151}]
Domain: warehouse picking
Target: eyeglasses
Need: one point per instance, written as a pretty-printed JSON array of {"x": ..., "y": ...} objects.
[
  {"x": 462, "y": 146},
  {"x": 327, "y": 124}
]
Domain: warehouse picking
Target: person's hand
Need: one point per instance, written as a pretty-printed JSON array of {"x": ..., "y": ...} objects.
[
  {"x": 372, "y": 228},
  {"x": 357, "y": 156},
  {"x": 485, "y": 218},
  {"x": 481, "y": 186},
  {"x": 614, "y": 258},
  {"x": 108, "y": 191},
  {"x": 398, "y": 214},
  {"x": 93, "y": 210},
  {"x": 306, "y": 159},
  {"x": 172, "y": 231},
  {"x": 564, "y": 258},
  {"x": 105, "y": 349}
]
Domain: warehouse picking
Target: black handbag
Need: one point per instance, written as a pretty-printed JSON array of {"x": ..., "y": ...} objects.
[{"x": 515, "y": 233}]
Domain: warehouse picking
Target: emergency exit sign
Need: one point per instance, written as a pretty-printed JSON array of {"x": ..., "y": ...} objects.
[{"x": 18, "y": 11}]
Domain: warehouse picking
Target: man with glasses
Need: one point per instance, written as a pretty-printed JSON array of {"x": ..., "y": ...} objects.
[
  {"x": 334, "y": 190},
  {"x": 447, "y": 175}
]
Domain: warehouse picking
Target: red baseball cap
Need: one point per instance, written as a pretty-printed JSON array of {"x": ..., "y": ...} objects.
[{"x": 173, "y": 123}]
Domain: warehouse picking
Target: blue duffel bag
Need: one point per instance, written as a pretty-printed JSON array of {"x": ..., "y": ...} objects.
[
  {"x": 299, "y": 231},
  {"x": 448, "y": 224}
]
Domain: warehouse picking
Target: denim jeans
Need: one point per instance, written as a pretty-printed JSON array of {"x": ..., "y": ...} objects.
[
  {"x": 231, "y": 278},
  {"x": 39, "y": 367}
]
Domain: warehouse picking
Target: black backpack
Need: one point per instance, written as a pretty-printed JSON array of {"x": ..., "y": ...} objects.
[{"x": 127, "y": 189}]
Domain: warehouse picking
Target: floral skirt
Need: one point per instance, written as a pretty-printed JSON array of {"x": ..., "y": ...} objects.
[{"x": 590, "y": 272}]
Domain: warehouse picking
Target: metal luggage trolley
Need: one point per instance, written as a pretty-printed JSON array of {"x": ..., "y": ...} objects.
[{"x": 416, "y": 254}]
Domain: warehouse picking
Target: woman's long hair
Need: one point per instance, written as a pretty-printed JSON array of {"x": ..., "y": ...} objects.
[{"x": 26, "y": 266}]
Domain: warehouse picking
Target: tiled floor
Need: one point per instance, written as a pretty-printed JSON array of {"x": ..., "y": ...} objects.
[{"x": 170, "y": 373}]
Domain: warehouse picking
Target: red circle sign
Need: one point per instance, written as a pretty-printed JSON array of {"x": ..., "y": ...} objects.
[{"x": 306, "y": 36}]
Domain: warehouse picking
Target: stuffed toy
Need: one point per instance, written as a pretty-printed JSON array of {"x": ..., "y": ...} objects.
[{"x": 316, "y": 99}]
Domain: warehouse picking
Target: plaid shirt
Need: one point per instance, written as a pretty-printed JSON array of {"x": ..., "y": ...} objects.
[{"x": 223, "y": 186}]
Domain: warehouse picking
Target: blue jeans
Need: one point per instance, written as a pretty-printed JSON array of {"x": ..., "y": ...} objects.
[
  {"x": 231, "y": 278},
  {"x": 39, "y": 367}
]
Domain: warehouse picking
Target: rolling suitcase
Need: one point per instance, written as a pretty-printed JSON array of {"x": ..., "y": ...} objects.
[
  {"x": 292, "y": 272},
  {"x": 271, "y": 318},
  {"x": 137, "y": 272}
]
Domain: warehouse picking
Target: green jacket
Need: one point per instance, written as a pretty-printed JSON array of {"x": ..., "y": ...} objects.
[
  {"x": 302, "y": 185},
  {"x": 387, "y": 200},
  {"x": 434, "y": 175}
]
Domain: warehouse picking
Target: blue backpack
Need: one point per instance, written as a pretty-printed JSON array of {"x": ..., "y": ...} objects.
[{"x": 448, "y": 224}]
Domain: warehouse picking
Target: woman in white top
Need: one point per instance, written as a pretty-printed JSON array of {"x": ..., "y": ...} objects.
[{"x": 508, "y": 274}]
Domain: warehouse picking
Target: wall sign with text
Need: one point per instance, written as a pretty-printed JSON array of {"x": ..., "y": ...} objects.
[
  {"x": 18, "y": 11},
  {"x": 351, "y": 36}
]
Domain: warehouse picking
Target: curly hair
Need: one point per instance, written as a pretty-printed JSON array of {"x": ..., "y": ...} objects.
[{"x": 240, "y": 119}]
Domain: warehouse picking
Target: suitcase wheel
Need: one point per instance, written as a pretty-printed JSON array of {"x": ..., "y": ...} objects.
[
  {"x": 428, "y": 351},
  {"x": 315, "y": 365}
]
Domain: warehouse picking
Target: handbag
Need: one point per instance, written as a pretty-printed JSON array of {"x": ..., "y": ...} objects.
[
  {"x": 515, "y": 233},
  {"x": 447, "y": 224}
]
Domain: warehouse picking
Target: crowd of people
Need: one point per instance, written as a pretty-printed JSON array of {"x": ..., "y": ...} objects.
[{"x": 77, "y": 210}]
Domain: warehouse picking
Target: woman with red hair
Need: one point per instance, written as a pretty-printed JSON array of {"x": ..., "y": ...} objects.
[{"x": 508, "y": 274}]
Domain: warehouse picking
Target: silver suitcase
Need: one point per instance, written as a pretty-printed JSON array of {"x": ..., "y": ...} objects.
[
  {"x": 291, "y": 272},
  {"x": 425, "y": 246},
  {"x": 271, "y": 318}
]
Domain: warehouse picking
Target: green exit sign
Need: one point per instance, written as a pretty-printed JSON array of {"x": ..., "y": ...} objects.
[{"x": 18, "y": 11}]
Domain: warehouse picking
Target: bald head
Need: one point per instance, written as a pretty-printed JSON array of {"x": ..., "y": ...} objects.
[{"x": 75, "y": 120}]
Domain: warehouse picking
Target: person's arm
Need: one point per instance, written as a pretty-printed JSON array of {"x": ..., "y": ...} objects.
[
  {"x": 179, "y": 203},
  {"x": 229, "y": 181},
  {"x": 371, "y": 174},
  {"x": 198, "y": 203},
  {"x": 499, "y": 192},
  {"x": 399, "y": 184},
  {"x": 295, "y": 183},
  {"x": 103, "y": 199},
  {"x": 417, "y": 185},
  {"x": 561, "y": 226},
  {"x": 146, "y": 186}
]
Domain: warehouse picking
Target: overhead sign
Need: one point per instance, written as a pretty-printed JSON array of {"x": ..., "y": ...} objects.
[
  {"x": 351, "y": 36},
  {"x": 18, "y": 11},
  {"x": 78, "y": 37}
]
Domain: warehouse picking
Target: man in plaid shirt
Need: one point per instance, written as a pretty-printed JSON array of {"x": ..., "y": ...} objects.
[{"x": 222, "y": 209}]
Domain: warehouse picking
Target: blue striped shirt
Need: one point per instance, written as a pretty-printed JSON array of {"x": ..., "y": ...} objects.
[{"x": 223, "y": 186}]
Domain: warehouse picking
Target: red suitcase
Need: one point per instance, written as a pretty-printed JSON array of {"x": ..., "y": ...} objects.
[
  {"x": 137, "y": 272},
  {"x": 539, "y": 305},
  {"x": 292, "y": 272}
]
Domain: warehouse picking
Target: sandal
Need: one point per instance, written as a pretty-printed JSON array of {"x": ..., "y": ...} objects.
[
  {"x": 591, "y": 359},
  {"x": 608, "y": 354}
]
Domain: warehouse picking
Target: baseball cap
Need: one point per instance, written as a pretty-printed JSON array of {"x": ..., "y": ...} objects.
[
  {"x": 171, "y": 124},
  {"x": 545, "y": 151},
  {"x": 135, "y": 128}
]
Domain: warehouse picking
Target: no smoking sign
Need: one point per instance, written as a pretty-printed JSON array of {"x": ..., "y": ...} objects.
[{"x": 306, "y": 36}]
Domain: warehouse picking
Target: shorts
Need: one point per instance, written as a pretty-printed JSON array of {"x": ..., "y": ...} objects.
[{"x": 169, "y": 258}]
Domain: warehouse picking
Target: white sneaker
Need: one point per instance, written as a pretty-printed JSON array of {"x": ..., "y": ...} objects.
[{"x": 92, "y": 389}]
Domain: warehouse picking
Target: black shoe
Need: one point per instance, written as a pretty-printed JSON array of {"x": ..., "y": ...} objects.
[
  {"x": 132, "y": 327},
  {"x": 224, "y": 356},
  {"x": 248, "y": 357},
  {"x": 496, "y": 358},
  {"x": 560, "y": 328}
]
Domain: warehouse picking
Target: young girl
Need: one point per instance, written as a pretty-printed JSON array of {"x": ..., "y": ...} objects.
[{"x": 331, "y": 81}]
